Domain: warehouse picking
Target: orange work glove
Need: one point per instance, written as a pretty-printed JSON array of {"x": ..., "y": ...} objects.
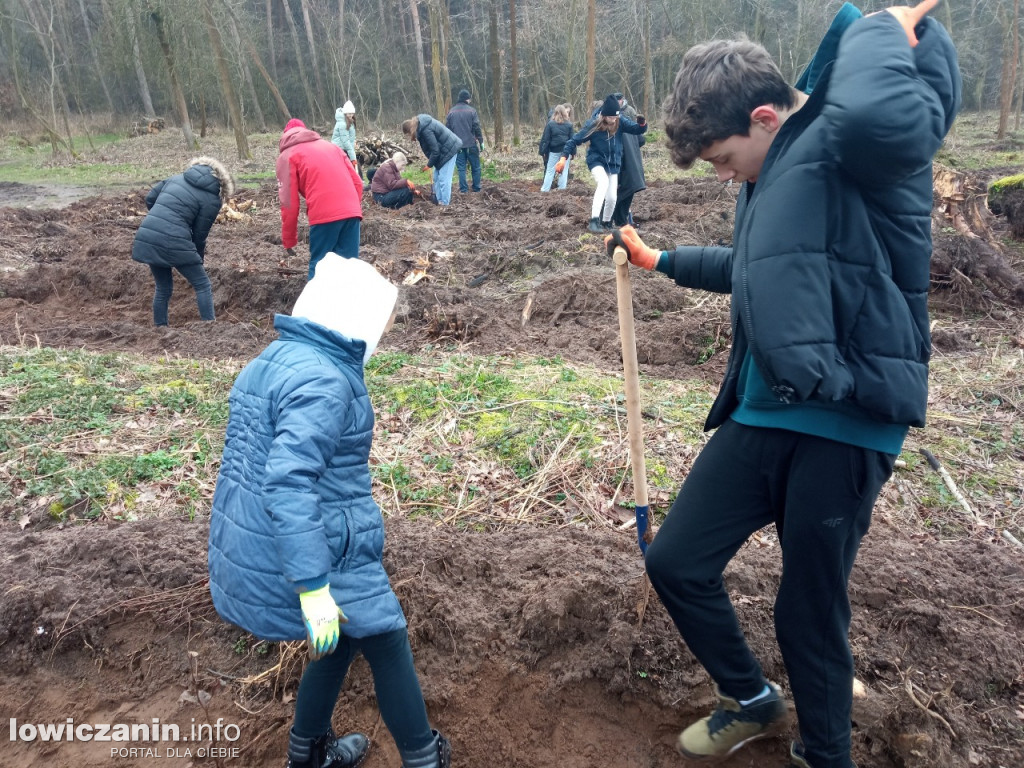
[
  {"x": 411, "y": 185},
  {"x": 560, "y": 165},
  {"x": 638, "y": 253},
  {"x": 426, "y": 169},
  {"x": 910, "y": 17}
]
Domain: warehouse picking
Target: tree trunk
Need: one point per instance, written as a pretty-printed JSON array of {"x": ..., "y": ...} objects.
[
  {"x": 418, "y": 42},
  {"x": 313, "y": 58},
  {"x": 513, "y": 70},
  {"x": 499, "y": 127},
  {"x": 250, "y": 85},
  {"x": 255, "y": 56},
  {"x": 270, "y": 38},
  {"x": 172, "y": 73},
  {"x": 226, "y": 86},
  {"x": 446, "y": 35},
  {"x": 95, "y": 56},
  {"x": 300, "y": 61},
  {"x": 140, "y": 72},
  {"x": 648, "y": 65},
  {"x": 1007, "y": 81},
  {"x": 591, "y": 53},
  {"x": 435, "y": 59}
]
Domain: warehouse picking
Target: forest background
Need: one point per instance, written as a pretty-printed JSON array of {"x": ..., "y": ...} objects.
[{"x": 253, "y": 64}]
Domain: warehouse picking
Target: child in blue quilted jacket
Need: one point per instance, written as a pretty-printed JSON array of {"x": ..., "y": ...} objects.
[{"x": 296, "y": 538}]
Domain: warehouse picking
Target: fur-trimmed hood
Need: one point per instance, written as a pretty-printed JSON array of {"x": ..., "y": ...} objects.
[{"x": 220, "y": 171}]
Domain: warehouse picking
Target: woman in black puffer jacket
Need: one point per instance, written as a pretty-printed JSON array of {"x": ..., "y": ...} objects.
[{"x": 182, "y": 210}]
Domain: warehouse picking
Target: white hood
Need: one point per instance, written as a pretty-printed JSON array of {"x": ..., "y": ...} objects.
[{"x": 348, "y": 296}]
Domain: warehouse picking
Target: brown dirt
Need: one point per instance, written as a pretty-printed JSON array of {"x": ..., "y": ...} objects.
[{"x": 536, "y": 647}]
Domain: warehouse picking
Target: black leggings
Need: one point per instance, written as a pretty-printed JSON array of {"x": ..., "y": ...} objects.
[
  {"x": 819, "y": 493},
  {"x": 399, "y": 697}
]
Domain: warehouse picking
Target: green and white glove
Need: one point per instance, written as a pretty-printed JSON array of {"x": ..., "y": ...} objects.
[{"x": 322, "y": 617}]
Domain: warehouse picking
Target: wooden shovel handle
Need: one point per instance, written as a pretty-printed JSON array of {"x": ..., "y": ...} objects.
[{"x": 631, "y": 375}]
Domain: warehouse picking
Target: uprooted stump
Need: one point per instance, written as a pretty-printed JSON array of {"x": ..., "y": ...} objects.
[{"x": 967, "y": 256}]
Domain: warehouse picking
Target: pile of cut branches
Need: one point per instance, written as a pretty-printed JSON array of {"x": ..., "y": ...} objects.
[{"x": 373, "y": 151}]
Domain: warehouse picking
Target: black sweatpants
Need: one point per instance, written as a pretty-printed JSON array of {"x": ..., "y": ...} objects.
[
  {"x": 399, "y": 697},
  {"x": 819, "y": 493}
]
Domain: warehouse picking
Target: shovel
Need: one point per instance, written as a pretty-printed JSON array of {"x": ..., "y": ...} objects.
[{"x": 631, "y": 375}]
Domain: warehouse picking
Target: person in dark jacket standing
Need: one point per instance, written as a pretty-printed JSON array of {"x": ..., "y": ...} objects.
[
  {"x": 604, "y": 157},
  {"x": 312, "y": 167},
  {"x": 388, "y": 187},
  {"x": 464, "y": 122},
  {"x": 829, "y": 275},
  {"x": 296, "y": 538},
  {"x": 182, "y": 209},
  {"x": 631, "y": 174},
  {"x": 556, "y": 133},
  {"x": 440, "y": 146}
]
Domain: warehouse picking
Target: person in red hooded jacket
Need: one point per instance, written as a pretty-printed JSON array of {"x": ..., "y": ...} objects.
[{"x": 314, "y": 168}]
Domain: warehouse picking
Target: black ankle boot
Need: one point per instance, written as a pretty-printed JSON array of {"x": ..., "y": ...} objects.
[
  {"x": 437, "y": 754},
  {"x": 328, "y": 751},
  {"x": 595, "y": 226}
]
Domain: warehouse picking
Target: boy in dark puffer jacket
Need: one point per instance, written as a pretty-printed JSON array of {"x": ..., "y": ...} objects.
[
  {"x": 829, "y": 275},
  {"x": 182, "y": 210}
]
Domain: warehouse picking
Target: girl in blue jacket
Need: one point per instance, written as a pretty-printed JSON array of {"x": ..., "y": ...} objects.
[
  {"x": 296, "y": 538},
  {"x": 604, "y": 158}
]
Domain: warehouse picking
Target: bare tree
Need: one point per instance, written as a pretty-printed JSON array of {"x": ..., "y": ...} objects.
[
  {"x": 499, "y": 126},
  {"x": 255, "y": 57},
  {"x": 1007, "y": 82},
  {"x": 40, "y": 21},
  {"x": 87, "y": 26},
  {"x": 140, "y": 71},
  {"x": 513, "y": 70},
  {"x": 591, "y": 51},
  {"x": 313, "y": 58},
  {"x": 311, "y": 102},
  {"x": 418, "y": 37},
  {"x": 270, "y": 37},
  {"x": 172, "y": 74},
  {"x": 227, "y": 87},
  {"x": 435, "y": 57}
]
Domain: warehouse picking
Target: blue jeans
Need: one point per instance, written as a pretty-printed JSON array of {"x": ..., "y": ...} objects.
[
  {"x": 473, "y": 155},
  {"x": 443, "y": 181},
  {"x": 197, "y": 278},
  {"x": 341, "y": 237},
  {"x": 549, "y": 172},
  {"x": 399, "y": 698}
]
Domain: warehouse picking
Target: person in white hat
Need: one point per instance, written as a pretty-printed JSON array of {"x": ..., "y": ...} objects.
[
  {"x": 344, "y": 134},
  {"x": 296, "y": 538}
]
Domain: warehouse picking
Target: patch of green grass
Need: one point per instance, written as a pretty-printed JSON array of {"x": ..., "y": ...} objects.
[{"x": 106, "y": 435}]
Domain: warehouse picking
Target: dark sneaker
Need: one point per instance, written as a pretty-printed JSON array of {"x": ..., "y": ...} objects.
[
  {"x": 797, "y": 758},
  {"x": 731, "y": 725},
  {"x": 594, "y": 226}
]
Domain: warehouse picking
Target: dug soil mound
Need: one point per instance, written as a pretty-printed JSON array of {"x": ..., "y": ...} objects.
[{"x": 535, "y": 646}]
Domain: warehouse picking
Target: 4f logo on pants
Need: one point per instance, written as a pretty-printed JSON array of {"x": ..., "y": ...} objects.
[{"x": 832, "y": 522}]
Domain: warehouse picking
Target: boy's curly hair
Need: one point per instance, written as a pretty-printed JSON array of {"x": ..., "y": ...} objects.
[{"x": 716, "y": 88}]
